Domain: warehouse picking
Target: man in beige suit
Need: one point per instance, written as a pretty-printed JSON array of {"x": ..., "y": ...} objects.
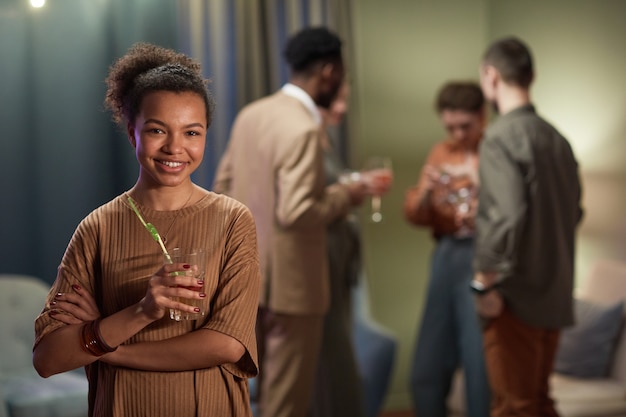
[{"x": 274, "y": 165}]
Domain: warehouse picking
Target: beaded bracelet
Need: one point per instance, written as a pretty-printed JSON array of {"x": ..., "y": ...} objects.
[{"x": 91, "y": 339}]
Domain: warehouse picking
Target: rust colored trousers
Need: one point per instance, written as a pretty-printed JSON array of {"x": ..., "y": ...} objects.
[{"x": 519, "y": 359}]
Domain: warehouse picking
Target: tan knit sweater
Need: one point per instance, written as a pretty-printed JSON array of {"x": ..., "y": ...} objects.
[{"x": 112, "y": 255}]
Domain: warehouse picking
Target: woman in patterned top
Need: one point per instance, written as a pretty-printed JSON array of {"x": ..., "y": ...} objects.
[{"x": 444, "y": 200}]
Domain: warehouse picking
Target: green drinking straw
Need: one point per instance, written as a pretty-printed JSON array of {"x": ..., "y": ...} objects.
[{"x": 150, "y": 227}]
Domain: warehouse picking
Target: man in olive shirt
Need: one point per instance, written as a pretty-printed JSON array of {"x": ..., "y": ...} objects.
[{"x": 529, "y": 209}]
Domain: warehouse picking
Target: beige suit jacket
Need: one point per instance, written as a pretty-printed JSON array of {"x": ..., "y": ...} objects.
[{"x": 274, "y": 165}]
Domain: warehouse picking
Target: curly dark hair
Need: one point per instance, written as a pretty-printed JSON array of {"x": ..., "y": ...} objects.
[
  {"x": 460, "y": 95},
  {"x": 146, "y": 68},
  {"x": 310, "y": 46}
]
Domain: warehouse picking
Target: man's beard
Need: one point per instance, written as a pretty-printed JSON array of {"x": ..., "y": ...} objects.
[{"x": 325, "y": 101}]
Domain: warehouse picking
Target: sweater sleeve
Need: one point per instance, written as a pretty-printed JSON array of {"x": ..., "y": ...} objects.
[
  {"x": 427, "y": 206},
  {"x": 234, "y": 305},
  {"x": 417, "y": 207}
]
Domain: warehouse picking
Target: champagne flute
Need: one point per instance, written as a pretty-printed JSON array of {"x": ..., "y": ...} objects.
[
  {"x": 378, "y": 175},
  {"x": 461, "y": 199},
  {"x": 462, "y": 204}
]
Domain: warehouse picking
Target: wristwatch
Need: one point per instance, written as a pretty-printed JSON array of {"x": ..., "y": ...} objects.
[{"x": 479, "y": 288}]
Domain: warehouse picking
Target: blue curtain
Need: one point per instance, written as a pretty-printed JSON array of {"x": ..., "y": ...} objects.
[
  {"x": 240, "y": 45},
  {"x": 61, "y": 156}
]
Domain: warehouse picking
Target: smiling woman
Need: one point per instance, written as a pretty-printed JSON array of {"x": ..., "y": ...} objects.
[{"x": 108, "y": 308}]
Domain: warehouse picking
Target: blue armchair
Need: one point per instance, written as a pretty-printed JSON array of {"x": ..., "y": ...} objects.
[
  {"x": 22, "y": 391},
  {"x": 375, "y": 348}
]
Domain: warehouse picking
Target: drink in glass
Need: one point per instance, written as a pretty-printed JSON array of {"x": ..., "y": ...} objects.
[
  {"x": 378, "y": 175},
  {"x": 195, "y": 257}
]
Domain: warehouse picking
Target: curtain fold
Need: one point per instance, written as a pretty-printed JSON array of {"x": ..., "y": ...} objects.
[
  {"x": 61, "y": 155},
  {"x": 240, "y": 45}
]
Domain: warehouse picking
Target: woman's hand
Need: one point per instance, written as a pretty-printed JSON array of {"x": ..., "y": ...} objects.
[
  {"x": 467, "y": 218},
  {"x": 431, "y": 176},
  {"x": 74, "y": 307},
  {"x": 167, "y": 286}
]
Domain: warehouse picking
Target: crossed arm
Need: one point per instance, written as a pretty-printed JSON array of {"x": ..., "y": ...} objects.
[{"x": 61, "y": 350}]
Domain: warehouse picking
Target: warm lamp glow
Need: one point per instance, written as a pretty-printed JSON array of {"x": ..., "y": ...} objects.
[{"x": 37, "y": 3}]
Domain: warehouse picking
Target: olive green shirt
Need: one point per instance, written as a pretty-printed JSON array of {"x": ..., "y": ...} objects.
[{"x": 529, "y": 209}]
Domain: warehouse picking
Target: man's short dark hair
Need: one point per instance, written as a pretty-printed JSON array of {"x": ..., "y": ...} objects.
[
  {"x": 512, "y": 58},
  {"x": 310, "y": 46},
  {"x": 460, "y": 95}
]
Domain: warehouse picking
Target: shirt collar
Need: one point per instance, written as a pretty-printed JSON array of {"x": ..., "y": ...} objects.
[
  {"x": 524, "y": 108},
  {"x": 303, "y": 97}
]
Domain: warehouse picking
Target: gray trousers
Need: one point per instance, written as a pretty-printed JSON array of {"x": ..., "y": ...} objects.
[{"x": 449, "y": 335}]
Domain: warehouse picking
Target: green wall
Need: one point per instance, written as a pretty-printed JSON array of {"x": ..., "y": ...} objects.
[{"x": 406, "y": 49}]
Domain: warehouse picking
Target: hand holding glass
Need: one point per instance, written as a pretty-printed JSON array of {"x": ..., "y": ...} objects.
[
  {"x": 378, "y": 175},
  {"x": 197, "y": 259},
  {"x": 461, "y": 199}
]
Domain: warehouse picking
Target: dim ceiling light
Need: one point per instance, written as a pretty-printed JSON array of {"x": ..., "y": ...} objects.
[{"x": 37, "y": 3}]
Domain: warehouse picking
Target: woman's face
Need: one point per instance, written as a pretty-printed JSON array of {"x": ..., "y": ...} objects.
[
  {"x": 464, "y": 127},
  {"x": 169, "y": 135}
]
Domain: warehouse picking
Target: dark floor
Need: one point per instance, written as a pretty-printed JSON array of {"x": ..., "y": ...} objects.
[{"x": 397, "y": 413}]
